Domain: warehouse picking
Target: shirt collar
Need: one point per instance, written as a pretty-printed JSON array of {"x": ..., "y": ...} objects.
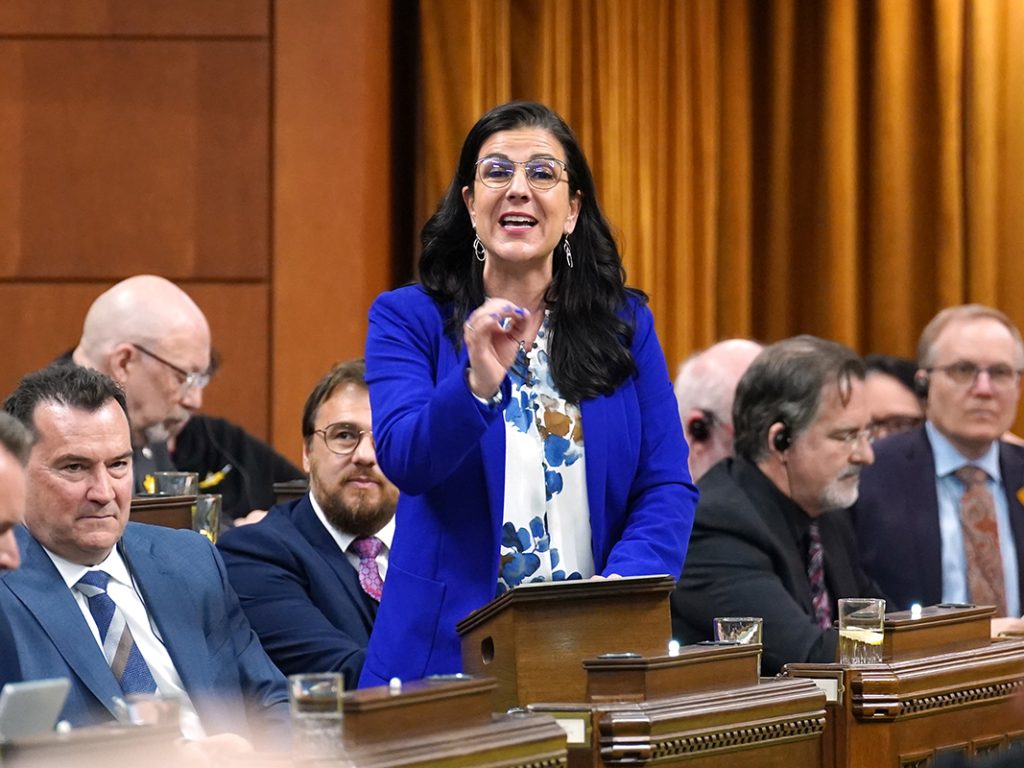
[
  {"x": 345, "y": 539},
  {"x": 72, "y": 572},
  {"x": 948, "y": 459}
]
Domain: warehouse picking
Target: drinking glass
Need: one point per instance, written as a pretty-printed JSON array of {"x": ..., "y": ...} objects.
[
  {"x": 861, "y": 620},
  {"x": 175, "y": 483},
  {"x": 315, "y": 702},
  {"x": 206, "y": 515},
  {"x": 740, "y": 629}
]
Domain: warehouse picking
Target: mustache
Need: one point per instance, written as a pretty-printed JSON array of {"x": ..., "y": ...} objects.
[{"x": 851, "y": 473}]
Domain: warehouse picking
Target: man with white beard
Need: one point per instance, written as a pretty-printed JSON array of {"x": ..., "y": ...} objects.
[{"x": 763, "y": 542}]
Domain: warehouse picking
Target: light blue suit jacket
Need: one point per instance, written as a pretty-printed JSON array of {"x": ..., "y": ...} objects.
[
  {"x": 182, "y": 581},
  {"x": 446, "y": 453}
]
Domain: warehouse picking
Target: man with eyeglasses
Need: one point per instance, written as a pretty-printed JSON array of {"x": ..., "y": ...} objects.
[
  {"x": 310, "y": 574},
  {"x": 940, "y": 516},
  {"x": 148, "y": 335},
  {"x": 766, "y": 538}
]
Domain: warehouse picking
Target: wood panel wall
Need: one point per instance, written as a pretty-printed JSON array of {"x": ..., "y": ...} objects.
[{"x": 231, "y": 146}]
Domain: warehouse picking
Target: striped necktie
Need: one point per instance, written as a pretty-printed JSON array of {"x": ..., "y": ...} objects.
[
  {"x": 816, "y": 577},
  {"x": 985, "y": 578},
  {"x": 119, "y": 648}
]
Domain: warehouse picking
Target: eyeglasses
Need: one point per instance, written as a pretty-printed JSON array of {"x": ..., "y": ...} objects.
[
  {"x": 965, "y": 373},
  {"x": 541, "y": 172},
  {"x": 890, "y": 425},
  {"x": 852, "y": 437},
  {"x": 197, "y": 379},
  {"x": 342, "y": 438}
]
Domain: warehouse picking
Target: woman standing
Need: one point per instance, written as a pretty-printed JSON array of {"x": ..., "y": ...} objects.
[{"x": 521, "y": 401}]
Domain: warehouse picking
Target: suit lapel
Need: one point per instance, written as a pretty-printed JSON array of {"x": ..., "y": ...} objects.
[
  {"x": 1011, "y": 466},
  {"x": 41, "y": 589},
  {"x": 172, "y": 613},
  {"x": 594, "y": 413},
  {"x": 309, "y": 525},
  {"x": 921, "y": 506}
]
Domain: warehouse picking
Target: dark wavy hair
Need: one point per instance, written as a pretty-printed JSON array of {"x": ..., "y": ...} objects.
[{"x": 590, "y": 336}]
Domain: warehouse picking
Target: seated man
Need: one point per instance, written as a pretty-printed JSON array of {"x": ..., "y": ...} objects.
[
  {"x": 14, "y": 441},
  {"x": 892, "y": 398},
  {"x": 763, "y": 542},
  {"x": 151, "y": 338},
  {"x": 941, "y": 515},
  {"x": 309, "y": 574},
  {"x": 121, "y": 607},
  {"x": 705, "y": 387}
]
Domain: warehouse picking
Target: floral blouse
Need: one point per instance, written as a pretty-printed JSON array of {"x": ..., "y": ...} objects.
[{"x": 546, "y": 531}]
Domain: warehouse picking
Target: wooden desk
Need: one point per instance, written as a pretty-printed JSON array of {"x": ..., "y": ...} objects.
[
  {"x": 168, "y": 511},
  {"x": 943, "y": 687}
]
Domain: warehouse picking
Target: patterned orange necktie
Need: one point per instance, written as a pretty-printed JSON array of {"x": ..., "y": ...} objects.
[{"x": 981, "y": 540}]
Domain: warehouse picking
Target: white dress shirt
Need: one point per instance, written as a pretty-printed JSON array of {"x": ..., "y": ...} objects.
[
  {"x": 344, "y": 540},
  {"x": 949, "y": 491},
  {"x": 121, "y": 590}
]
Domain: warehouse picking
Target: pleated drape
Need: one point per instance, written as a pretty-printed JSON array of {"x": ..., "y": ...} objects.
[{"x": 838, "y": 167}]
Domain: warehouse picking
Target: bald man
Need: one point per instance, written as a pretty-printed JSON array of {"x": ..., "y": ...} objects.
[
  {"x": 150, "y": 337},
  {"x": 705, "y": 387}
]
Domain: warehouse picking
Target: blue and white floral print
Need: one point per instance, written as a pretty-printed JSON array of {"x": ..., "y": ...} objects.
[{"x": 546, "y": 532}]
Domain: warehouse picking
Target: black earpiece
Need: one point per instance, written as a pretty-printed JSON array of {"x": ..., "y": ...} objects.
[
  {"x": 921, "y": 385},
  {"x": 782, "y": 439},
  {"x": 700, "y": 427}
]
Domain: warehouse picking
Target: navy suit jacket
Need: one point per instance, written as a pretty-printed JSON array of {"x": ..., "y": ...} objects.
[
  {"x": 445, "y": 450},
  {"x": 182, "y": 582},
  {"x": 897, "y": 517},
  {"x": 300, "y": 592}
]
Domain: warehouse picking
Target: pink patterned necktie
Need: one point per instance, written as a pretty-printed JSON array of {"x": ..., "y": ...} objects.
[
  {"x": 368, "y": 547},
  {"x": 981, "y": 540},
  {"x": 816, "y": 577}
]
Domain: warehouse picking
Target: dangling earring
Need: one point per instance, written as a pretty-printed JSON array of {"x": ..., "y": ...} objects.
[
  {"x": 478, "y": 250},
  {"x": 568, "y": 251}
]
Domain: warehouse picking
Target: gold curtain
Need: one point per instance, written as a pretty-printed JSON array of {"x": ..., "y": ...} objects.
[{"x": 771, "y": 167}]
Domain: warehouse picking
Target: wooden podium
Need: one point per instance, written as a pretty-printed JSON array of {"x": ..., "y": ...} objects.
[
  {"x": 594, "y": 655},
  {"x": 533, "y": 638},
  {"x": 943, "y": 687}
]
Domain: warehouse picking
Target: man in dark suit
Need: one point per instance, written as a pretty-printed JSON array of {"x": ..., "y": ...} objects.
[
  {"x": 309, "y": 574},
  {"x": 765, "y": 541},
  {"x": 119, "y": 607},
  {"x": 921, "y": 535},
  {"x": 14, "y": 440}
]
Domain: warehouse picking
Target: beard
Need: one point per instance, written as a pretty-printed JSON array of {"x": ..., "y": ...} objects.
[
  {"x": 840, "y": 493},
  {"x": 358, "y": 511}
]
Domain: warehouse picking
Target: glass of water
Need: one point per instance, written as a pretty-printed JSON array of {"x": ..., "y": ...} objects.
[
  {"x": 861, "y": 620},
  {"x": 315, "y": 701}
]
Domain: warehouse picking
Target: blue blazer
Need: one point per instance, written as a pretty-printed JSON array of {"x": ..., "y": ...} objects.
[
  {"x": 10, "y": 668},
  {"x": 300, "y": 592},
  {"x": 182, "y": 581},
  {"x": 446, "y": 453},
  {"x": 897, "y": 517}
]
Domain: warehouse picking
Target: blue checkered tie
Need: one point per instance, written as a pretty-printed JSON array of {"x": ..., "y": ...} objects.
[{"x": 119, "y": 648}]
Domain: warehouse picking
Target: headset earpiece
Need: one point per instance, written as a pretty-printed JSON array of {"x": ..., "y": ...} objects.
[
  {"x": 699, "y": 430},
  {"x": 921, "y": 385},
  {"x": 700, "y": 426},
  {"x": 782, "y": 439}
]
